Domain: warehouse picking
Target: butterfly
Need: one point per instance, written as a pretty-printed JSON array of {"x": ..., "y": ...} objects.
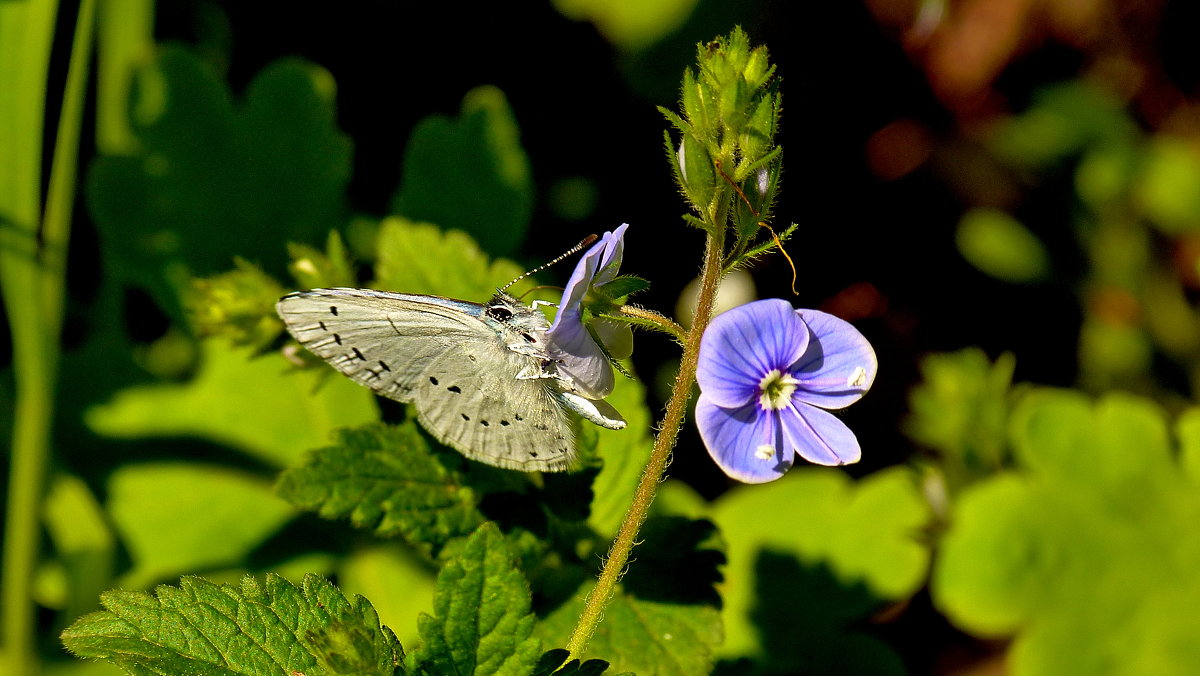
[{"x": 479, "y": 375}]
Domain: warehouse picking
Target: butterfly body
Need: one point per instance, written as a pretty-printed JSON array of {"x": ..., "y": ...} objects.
[{"x": 478, "y": 375}]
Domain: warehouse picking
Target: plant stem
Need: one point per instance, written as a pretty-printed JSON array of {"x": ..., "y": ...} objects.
[
  {"x": 618, "y": 555},
  {"x": 659, "y": 322}
]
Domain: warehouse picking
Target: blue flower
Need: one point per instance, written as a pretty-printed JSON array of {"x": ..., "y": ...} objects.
[
  {"x": 766, "y": 371},
  {"x": 579, "y": 359}
]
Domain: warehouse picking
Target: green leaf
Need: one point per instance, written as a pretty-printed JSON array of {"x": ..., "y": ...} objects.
[
  {"x": 253, "y": 404},
  {"x": 1166, "y": 188},
  {"x": 1062, "y": 122},
  {"x": 665, "y": 616},
  {"x": 470, "y": 173},
  {"x": 483, "y": 622},
  {"x": 387, "y": 479},
  {"x": 213, "y": 179},
  {"x": 313, "y": 268},
  {"x": 260, "y": 628},
  {"x": 1081, "y": 555},
  {"x": 630, "y": 26},
  {"x": 177, "y": 517},
  {"x": 415, "y": 257},
  {"x": 1000, "y": 246},
  {"x": 960, "y": 409},
  {"x": 857, "y": 543},
  {"x": 238, "y": 305},
  {"x": 623, "y": 286},
  {"x": 553, "y": 662},
  {"x": 83, "y": 541},
  {"x": 400, "y": 583}
]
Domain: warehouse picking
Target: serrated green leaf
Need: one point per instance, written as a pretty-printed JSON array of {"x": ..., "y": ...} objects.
[
  {"x": 177, "y": 517},
  {"x": 483, "y": 622},
  {"x": 860, "y": 540},
  {"x": 398, "y": 581},
  {"x": 552, "y": 663},
  {"x": 387, "y": 479},
  {"x": 644, "y": 636},
  {"x": 1081, "y": 554},
  {"x": 470, "y": 173},
  {"x": 220, "y": 630},
  {"x": 665, "y": 617},
  {"x": 211, "y": 175},
  {"x": 414, "y": 258},
  {"x": 258, "y": 405}
]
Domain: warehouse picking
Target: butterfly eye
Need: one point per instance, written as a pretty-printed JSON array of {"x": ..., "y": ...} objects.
[
  {"x": 499, "y": 313},
  {"x": 528, "y": 338}
]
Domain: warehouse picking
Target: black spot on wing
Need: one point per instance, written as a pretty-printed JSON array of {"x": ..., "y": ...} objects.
[
  {"x": 337, "y": 339},
  {"x": 432, "y": 380},
  {"x": 455, "y": 389},
  {"x": 333, "y": 310},
  {"x": 358, "y": 354},
  {"x": 383, "y": 365}
]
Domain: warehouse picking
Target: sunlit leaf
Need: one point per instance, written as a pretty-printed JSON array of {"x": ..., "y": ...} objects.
[
  {"x": 482, "y": 622},
  {"x": 182, "y": 517},
  {"x": 858, "y": 544},
  {"x": 213, "y": 179},
  {"x": 259, "y": 405},
  {"x": 998, "y": 245},
  {"x": 1079, "y": 554},
  {"x": 260, "y": 628},
  {"x": 470, "y": 173}
]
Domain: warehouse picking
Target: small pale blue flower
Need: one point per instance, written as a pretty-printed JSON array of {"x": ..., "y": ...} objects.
[
  {"x": 766, "y": 372},
  {"x": 579, "y": 359}
]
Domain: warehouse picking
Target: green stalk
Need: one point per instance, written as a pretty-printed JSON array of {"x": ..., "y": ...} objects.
[
  {"x": 622, "y": 546},
  {"x": 32, "y": 281}
]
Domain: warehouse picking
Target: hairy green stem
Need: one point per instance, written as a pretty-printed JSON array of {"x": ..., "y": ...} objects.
[
  {"x": 659, "y": 322},
  {"x": 618, "y": 555}
]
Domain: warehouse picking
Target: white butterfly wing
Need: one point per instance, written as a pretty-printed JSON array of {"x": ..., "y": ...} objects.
[
  {"x": 440, "y": 354},
  {"x": 490, "y": 415}
]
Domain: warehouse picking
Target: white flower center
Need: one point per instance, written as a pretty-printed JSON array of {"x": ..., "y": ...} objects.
[
  {"x": 764, "y": 452},
  {"x": 776, "y": 390}
]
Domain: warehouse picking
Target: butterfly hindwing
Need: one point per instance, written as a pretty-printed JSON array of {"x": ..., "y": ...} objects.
[{"x": 491, "y": 416}]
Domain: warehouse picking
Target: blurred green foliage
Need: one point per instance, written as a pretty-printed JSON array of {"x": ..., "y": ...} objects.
[
  {"x": 1054, "y": 519},
  {"x": 1080, "y": 550}
]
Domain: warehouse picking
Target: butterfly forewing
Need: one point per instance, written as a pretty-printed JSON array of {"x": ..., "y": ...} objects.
[
  {"x": 448, "y": 358},
  {"x": 381, "y": 340}
]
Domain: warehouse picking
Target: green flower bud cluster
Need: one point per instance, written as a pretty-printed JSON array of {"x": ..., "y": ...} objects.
[{"x": 726, "y": 161}]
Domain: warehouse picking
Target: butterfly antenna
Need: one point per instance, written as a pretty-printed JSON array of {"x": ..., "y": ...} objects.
[{"x": 570, "y": 252}]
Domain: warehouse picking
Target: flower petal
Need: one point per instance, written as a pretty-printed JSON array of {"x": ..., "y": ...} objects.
[
  {"x": 743, "y": 345},
  {"x": 734, "y": 436},
  {"x": 610, "y": 259},
  {"x": 839, "y": 366},
  {"x": 818, "y": 436},
  {"x": 580, "y": 360}
]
